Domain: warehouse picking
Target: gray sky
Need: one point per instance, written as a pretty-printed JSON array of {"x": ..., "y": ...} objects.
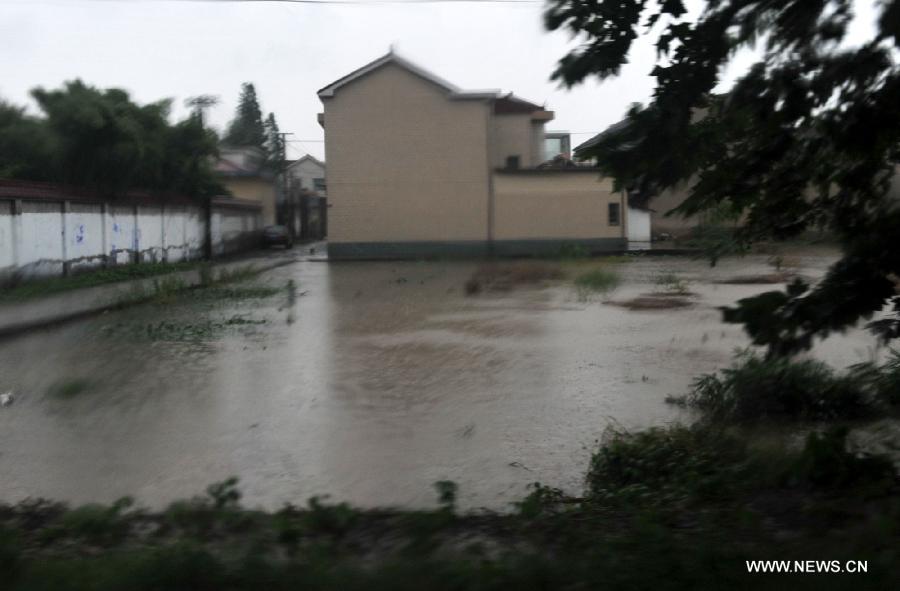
[{"x": 159, "y": 49}]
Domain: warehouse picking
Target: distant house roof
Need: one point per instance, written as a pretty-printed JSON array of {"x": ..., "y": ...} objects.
[
  {"x": 307, "y": 158},
  {"x": 603, "y": 135},
  {"x": 241, "y": 161},
  {"x": 503, "y": 103},
  {"x": 392, "y": 58}
]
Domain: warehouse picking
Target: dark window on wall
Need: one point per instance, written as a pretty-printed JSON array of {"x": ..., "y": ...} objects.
[
  {"x": 614, "y": 214},
  {"x": 512, "y": 162},
  {"x": 319, "y": 184}
]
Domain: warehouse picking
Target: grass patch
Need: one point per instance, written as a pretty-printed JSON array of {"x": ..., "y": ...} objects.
[
  {"x": 51, "y": 286},
  {"x": 69, "y": 388},
  {"x": 597, "y": 281},
  {"x": 507, "y": 276}
]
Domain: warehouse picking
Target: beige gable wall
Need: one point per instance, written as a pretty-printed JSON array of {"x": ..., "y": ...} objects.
[
  {"x": 514, "y": 136},
  {"x": 254, "y": 189},
  {"x": 555, "y": 205},
  {"x": 405, "y": 163}
]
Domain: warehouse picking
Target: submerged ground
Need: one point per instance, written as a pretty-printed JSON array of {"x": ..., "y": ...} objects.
[{"x": 364, "y": 381}]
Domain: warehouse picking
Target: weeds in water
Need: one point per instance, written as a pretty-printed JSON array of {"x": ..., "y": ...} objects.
[
  {"x": 670, "y": 283},
  {"x": 236, "y": 273},
  {"x": 506, "y": 276},
  {"x": 166, "y": 330},
  {"x": 69, "y": 388},
  {"x": 597, "y": 281}
]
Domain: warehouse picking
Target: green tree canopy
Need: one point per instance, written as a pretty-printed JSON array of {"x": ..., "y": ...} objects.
[
  {"x": 808, "y": 138},
  {"x": 102, "y": 140},
  {"x": 26, "y": 147},
  {"x": 247, "y": 129},
  {"x": 275, "y": 146}
]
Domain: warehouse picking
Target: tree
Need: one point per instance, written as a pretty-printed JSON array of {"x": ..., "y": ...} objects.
[
  {"x": 275, "y": 146},
  {"x": 808, "y": 138},
  {"x": 247, "y": 129},
  {"x": 25, "y": 146},
  {"x": 102, "y": 140}
]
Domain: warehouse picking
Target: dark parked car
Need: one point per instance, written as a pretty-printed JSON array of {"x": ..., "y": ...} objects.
[{"x": 277, "y": 235}]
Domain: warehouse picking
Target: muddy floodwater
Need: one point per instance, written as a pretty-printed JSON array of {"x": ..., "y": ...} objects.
[{"x": 374, "y": 381}]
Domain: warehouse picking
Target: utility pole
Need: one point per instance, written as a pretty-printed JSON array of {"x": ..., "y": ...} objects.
[
  {"x": 199, "y": 104},
  {"x": 288, "y": 209}
]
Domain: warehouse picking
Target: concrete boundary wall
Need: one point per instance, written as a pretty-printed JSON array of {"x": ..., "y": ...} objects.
[{"x": 47, "y": 230}]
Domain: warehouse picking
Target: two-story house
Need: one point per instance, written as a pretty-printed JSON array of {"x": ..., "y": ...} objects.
[
  {"x": 418, "y": 167},
  {"x": 243, "y": 172},
  {"x": 308, "y": 173}
]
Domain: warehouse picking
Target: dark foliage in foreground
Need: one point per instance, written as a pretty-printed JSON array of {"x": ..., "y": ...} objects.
[
  {"x": 808, "y": 138},
  {"x": 761, "y": 390},
  {"x": 677, "y": 508}
]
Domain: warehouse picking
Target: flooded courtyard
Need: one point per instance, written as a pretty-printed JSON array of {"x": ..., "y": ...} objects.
[{"x": 367, "y": 382}]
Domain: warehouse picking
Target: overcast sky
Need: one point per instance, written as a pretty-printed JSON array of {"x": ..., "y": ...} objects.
[{"x": 157, "y": 49}]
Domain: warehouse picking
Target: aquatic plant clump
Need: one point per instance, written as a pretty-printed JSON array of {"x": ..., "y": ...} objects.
[{"x": 598, "y": 281}]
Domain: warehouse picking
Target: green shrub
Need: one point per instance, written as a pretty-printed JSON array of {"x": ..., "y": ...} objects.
[
  {"x": 541, "y": 500},
  {"x": 68, "y": 388},
  {"x": 883, "y": 380},
  {"x": 225, "y": 494},
  {"x": 447, "y": 490},
  {"x": 826, "y": 463},
  {"x": 10, "y": 553},
  {"x": 328, "y": 519},
  {"x": 666, "y": 464},
  {"x": 97, "y": 524},
  {"x": 756, "y": 389}
]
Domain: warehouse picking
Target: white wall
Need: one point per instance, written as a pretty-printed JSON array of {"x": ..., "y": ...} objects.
[
  {"x": 304, "y": 172},
  {"x": 44, "y": 237},
  {"x": 7, "y": 245}
]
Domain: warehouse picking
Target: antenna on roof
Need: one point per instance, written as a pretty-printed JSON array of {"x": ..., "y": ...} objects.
[{"x": 391, "y": 48}]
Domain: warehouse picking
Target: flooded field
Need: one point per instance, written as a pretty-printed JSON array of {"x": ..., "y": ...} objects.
[{"x": 364, "y": 381}]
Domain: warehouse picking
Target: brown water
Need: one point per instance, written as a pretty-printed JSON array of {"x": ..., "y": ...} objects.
[{"x": 380, "y": 379}]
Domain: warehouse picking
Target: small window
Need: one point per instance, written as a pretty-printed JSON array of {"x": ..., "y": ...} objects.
[
  {"x": 512, "y": 162},
  {"x": 319, "y": 184},
  {"x": 613, "y": 214}
]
